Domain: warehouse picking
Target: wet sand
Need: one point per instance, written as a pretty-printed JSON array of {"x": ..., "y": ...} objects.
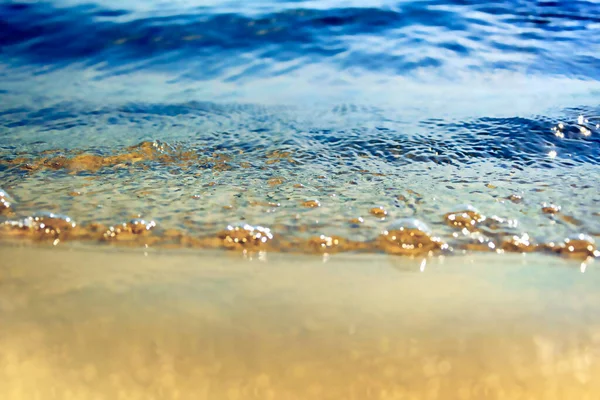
[{"x": 85, "y": 323}]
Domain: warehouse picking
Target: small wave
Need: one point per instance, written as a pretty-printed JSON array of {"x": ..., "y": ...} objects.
[
  {"x": 518, "y": 141},
  {"x": 547, "y": 38}
]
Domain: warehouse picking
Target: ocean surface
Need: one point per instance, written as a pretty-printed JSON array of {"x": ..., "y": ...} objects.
[{"x": 315, "y": 123}]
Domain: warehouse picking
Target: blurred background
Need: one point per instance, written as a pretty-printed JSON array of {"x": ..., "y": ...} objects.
[{"x": 444, "y": 56}]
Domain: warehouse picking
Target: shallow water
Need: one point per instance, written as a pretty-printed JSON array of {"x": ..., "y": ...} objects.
[
  {"x": 416, "y": 107},
  {"x": 122, "y": 325}
]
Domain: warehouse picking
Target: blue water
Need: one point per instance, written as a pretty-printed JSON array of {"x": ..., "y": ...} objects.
[
  {"x": 472, "y": 92},
  {"x": 238, "y": 41},
  {"x": 65, "y": 64}
]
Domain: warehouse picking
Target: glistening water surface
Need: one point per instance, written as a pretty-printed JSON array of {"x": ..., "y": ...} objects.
[{"x": 303, "y": 126}]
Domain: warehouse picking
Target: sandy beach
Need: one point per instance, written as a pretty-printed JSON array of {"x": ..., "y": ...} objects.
[{"x": 93, "y": 323}]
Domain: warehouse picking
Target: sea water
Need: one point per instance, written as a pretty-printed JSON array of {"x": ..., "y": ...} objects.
[
  {"x": 417, "y": 131},
  {"x": 199, "y": 115}
]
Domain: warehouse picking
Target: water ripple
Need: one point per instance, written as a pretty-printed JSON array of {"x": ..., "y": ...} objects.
[{"x": 542, "y": 37}]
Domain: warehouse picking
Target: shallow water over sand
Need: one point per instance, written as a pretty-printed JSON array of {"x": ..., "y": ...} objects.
[
  {"x": 124, "y": 325},
  {"x": 190, "y": 196},
  {"x": 315, "y": 120}
]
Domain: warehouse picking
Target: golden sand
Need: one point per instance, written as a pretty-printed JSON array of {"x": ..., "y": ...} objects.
[{"x": 80, "y": 323}]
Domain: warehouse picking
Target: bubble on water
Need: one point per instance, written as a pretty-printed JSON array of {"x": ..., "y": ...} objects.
[
  {"x": 6, "y": 202},
  {"x": 519, "y": 244},
  {"x": 330, "y": 244},
  {"x": 157, "y": 145},
  {"x": 40, "y": 225},
  {"x": 476, "y": 241},
  {"x": 264, "y": 203},
  {"x": 579, "y": 246},
  {"x": 466, "y": 217},
  {"x": 548, "y": 208},
  {"x": 357, "y": 221},
  {"x": 409, "y": 237},
  {"x": 409, "y": 223},
  {"x": 44, "y": 219},
  {"x": 312, "y": 203},
  {"x": 515, "y": 198},
  {"x": 245, "y": 236},
  {"x": 129, "y": 230},
  {"x": 379, "y": 212},
  {"x": 495, "y": 225},
  {"x": 138, "y": 225}
]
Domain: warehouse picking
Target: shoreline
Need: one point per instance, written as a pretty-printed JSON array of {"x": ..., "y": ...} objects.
[{"x": 84, "y": 323}]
